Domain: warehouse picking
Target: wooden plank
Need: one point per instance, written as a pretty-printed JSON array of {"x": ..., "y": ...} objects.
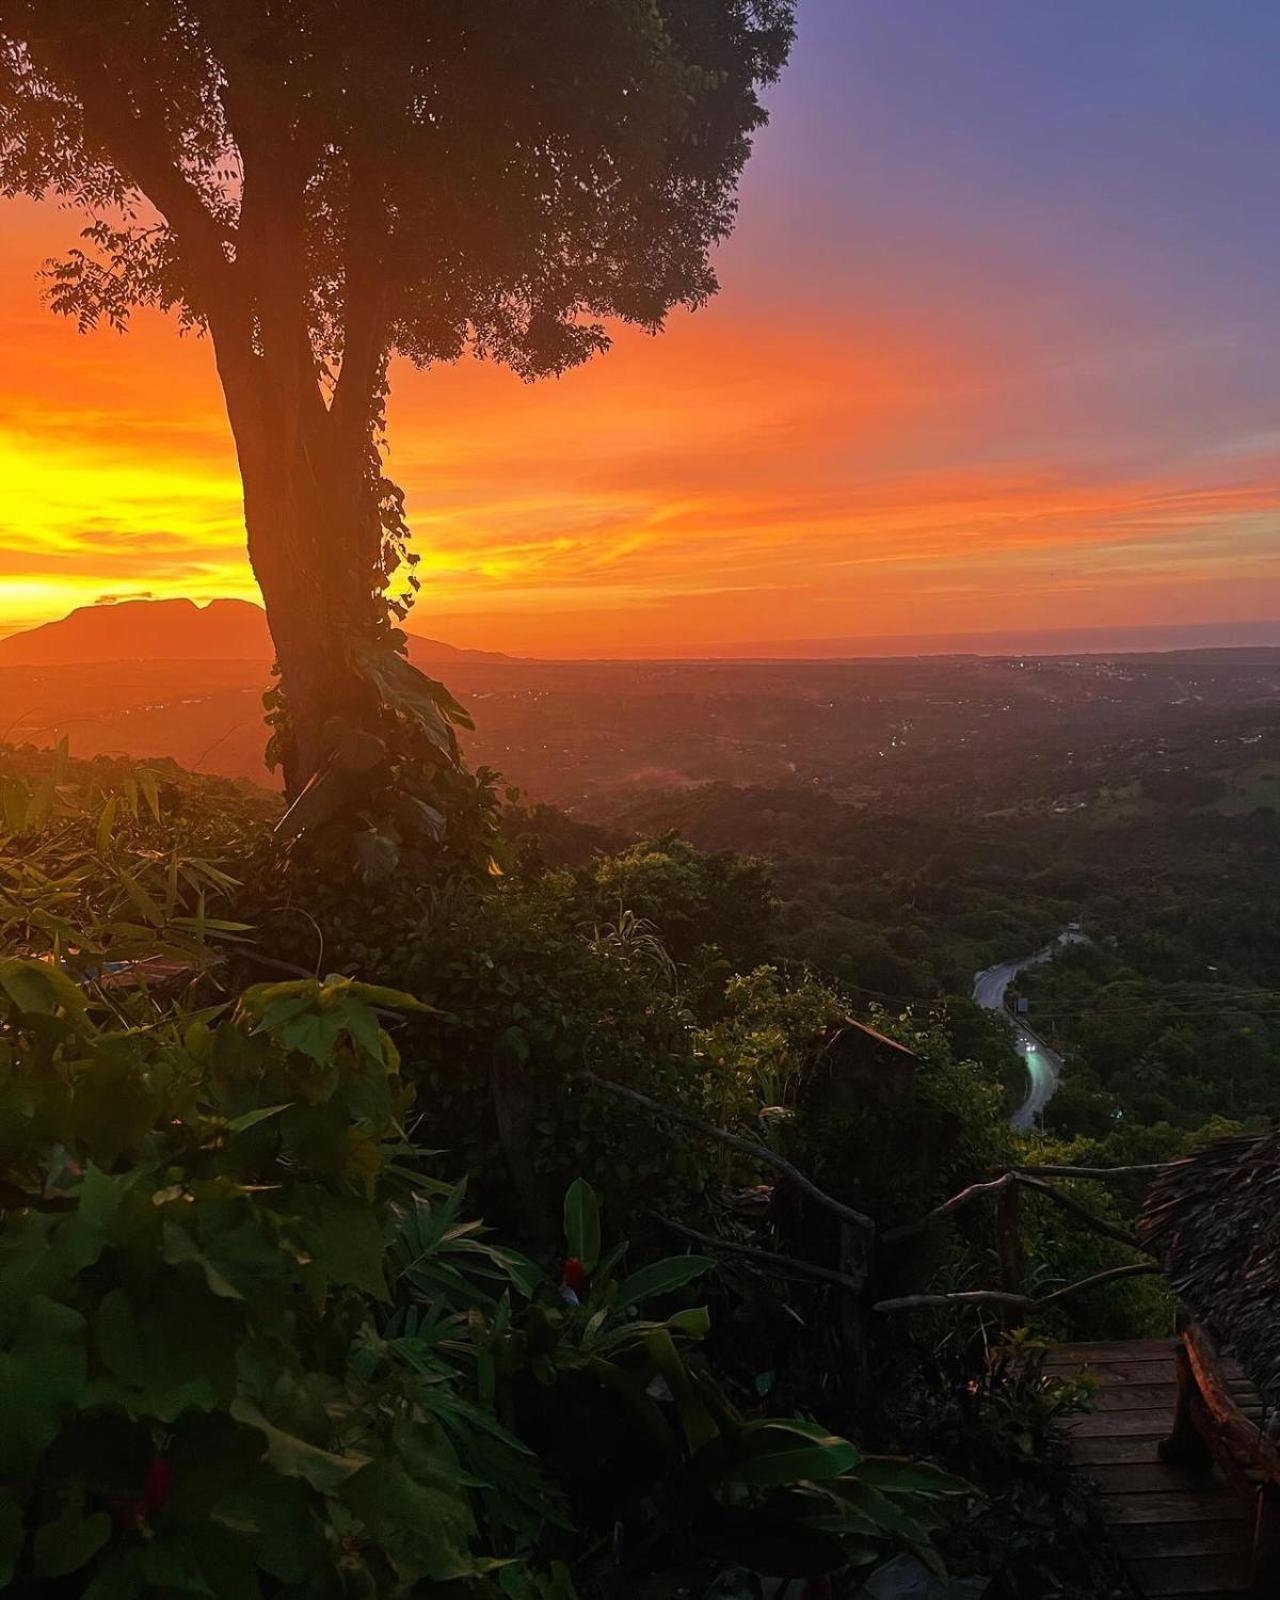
[
  {"x": 1116, "y": 1424},
  {"x": 1142, "y": 1477},
  {"x": 1162, "y": 1576},
  {"x": 1089, "y": 1452},
  {"x": 1143, "y": 1540},
  {"x": 1176, "y": 1505},
  {"x": 1118, "y": 1371},
  {"x": 1114, "y": 1375},
  {"x": 1128, "y": 1350},
  {"x": 1136, "y": 1397}
]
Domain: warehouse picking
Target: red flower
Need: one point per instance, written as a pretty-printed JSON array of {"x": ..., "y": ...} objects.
[
  {"x": 574, "y": 1275},
  {"x": 158, "y": 1486}
]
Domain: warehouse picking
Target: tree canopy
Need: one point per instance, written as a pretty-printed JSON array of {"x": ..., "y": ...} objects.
[{"x": 321, "y": 185}]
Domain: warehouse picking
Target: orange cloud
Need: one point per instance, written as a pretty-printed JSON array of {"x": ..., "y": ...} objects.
[{"x": 759, "y": 472}]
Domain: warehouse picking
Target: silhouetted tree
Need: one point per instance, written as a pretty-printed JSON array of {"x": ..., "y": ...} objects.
[{"x": 323, "y": 184}]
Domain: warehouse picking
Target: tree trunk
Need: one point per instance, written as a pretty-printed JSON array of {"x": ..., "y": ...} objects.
[{"x": 314, "y": 545}]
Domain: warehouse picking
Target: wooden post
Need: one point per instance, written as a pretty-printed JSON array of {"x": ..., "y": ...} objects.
[
  {"x": 1185, "y": 1447},
  {"x": 1009, "y": 1251},
  {"x": 1264, "y": 1575}
]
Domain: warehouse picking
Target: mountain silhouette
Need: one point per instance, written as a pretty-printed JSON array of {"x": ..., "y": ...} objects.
[{"x": 175, "y": 630}]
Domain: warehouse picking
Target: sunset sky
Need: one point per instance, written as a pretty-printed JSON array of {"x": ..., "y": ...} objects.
[{"x": 998, "y": 348}]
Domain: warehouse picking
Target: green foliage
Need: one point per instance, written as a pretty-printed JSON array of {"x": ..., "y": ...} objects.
[
  {"x": 990, "y": 1408},
  {"x": 713, "y": 912},
  {"x": 527, "y": 995},
  {"x": 193, "y": 1243},
  {"x": 695, "y": 1489},
  {"x": 93, "y": 871}
]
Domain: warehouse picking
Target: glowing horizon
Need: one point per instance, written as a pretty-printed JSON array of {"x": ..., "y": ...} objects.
[{"x": 940, "y": 393}]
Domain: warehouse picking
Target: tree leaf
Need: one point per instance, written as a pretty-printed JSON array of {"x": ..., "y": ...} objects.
[
  {"x": 105, "y": 823},
  {"x": 900, "y": 1475},
  {"x": 582, "y": 1222},
  {"x": 252, "y": 1118},
  {"x": 661, "y": 1277},
  {"x": 39, "y": 986},
  {"x": 773, "y": 1454},
  {"x": 294, "y": 1457},
  {"x": 69, "y": 1543}
]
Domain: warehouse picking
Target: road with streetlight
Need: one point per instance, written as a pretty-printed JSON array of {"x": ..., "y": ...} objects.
[{"x": 1044, "y": 1066}]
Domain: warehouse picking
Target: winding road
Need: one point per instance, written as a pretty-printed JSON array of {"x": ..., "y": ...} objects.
[{"x": 1044, "y": 1066}]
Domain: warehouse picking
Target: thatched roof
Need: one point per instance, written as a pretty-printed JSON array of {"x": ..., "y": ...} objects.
[{"x": 1213, "y": 1220}]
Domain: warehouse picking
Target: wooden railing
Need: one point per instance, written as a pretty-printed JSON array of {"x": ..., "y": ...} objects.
[
  {"x": 1210, "y": 1430},
  {"x": 1006, "y": 1189},
  {"x": 861, "y": 1238}
]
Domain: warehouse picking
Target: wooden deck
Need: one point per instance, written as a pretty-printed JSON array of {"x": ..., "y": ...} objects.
[{"x": 1176, "y": 1534}]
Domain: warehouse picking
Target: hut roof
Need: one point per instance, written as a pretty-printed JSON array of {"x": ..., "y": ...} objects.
[
  {"x": 1213, "y": 1220},
  {"x": 863, "y": 1030}
]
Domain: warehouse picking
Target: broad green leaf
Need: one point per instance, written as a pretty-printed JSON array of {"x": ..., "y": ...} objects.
[
  {"x": 147, "y": 907},
  {"x": 661, "y": 1277},
  {"x": 582, "y": 1222},
  {"x": 252, "y": 1118},
  {"x": 695, "y": 1321},
  {"x": 181, "y": 1249},
  {"x": 375, "y": 994},
  {"x": 424, "y": 1526},
  {"x": 698, "y": 1424},
  {"x": 311, "y": 1033},
  {"x": 39, "y": 986},
  {"x": 43, "y": 1363},
  {"x": 900, "y": 1475},
  {"x": 294, "y": 1457},
  {"x": 105, "y": 823},
  {"x": 774, "y": 1454},
  {"x": 169, "y": 1351},
  {"x": 66, "y": 1545},
  {"x": 147, "y": 783},
  {"x": 344, "y": 1239}
]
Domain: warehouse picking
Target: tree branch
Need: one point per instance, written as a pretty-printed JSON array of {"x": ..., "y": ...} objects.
[
  {"x": 908, "y": 1230},
  {"x": 1134, "y": 1269},
  {"x": 770, "y": 1258},
  {"x": 139, "y": 148},
  {"x": 1019, "y": 1302},
  {"x": 964, "y": 1297},
  {"x": 1066, "y": 1202},
  {"x": 1098, "y": 1173},
  {"x": 1029, "y": 1179},
  {"x": 758, "y": 1152},
  {"x": 364, "y": 306}
]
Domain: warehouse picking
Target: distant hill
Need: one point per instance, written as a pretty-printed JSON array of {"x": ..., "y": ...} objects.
[{"x": 175, "y": 630}]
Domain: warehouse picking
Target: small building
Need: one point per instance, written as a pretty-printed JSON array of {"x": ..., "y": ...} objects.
[
  {"x": 856, "y": 1067},
  {"x": 1212, "y": 1219}
]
